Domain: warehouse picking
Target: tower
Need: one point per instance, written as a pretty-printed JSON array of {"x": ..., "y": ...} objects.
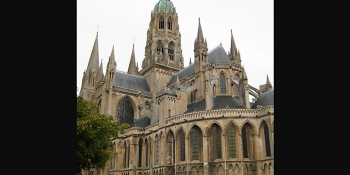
[
  {"x": 90, "y": 75},
  {"x": 234, "y": 55},
  {"x": 200, "y": 49},
  {"x": 163, "y": 54}
]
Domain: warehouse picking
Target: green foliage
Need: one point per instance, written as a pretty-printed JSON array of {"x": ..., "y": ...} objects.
[{"x": 94, "y": 136}]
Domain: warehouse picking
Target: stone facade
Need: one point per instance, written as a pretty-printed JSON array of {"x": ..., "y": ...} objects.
[{"x": 200, "y": 118}]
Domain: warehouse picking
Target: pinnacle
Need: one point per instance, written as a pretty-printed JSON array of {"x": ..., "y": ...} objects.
[{"x": 132, "y": 68}]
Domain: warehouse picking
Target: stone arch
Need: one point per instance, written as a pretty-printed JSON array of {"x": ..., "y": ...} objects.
[
  {"x": 191, "y": 126},
  {"x": 196, "y": 143},
  {"x": 215, "y": 141},
  {"x": 222, "y": 80},
  {"x": 231, "y": 122},
  {"x": 221, "y": 169},
  {"x": 214, "y": 170},
  {"x": 245, "y": 169},
  {"x": 133, "y": 105},
  {"x": 215, "y": 122},
  {"x": 248, "y": 121},
  {"x": 232, "y": 139},
  {"x": 170, "y": 148},
  {"x": 230, "y": 169},
  {"x": 193, "y": 170},
  {"x": 180, "y": 136},
  {"x": 261, "y": 125},
  {"x": 176, "y": 131},
  {"x": 247, "y": 132},
  {"x": 265, "y": 139}
]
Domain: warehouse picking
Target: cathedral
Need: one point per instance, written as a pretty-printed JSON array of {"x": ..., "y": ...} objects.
[{"x": 194, "y": 120}]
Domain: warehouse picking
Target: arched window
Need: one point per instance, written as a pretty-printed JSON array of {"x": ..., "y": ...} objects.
[
  {"x": 159, "y": 47},
  {"x": 196, "y": 141},
  {"x": 171, "y": 51},
  {"x": 157, "y": 151},
  {"x": 222, "y": 84},
  {"x": 161, "y": 23},
  {"x": 140, "y": 152},
  {"x": 170, "y": 27},
  {"x": 231, "y": 141},
  {"x": 218, "y": 142},
  {"x": 146, "y": 152},
  {"x": 267, "y": 140},
  {"x": 182, "y": 143},
  {"x": 245, "y": 144},
  {"x": 125, "y": 111}
]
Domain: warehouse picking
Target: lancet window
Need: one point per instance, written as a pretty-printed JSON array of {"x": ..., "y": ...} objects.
[
  {"x": 161, "y": 23},
  {"x": 170, "y": 27},
  {"x": 171, "y": 51}
]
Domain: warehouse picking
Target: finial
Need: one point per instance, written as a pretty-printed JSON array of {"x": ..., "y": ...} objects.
[
  {"x": 199, "y": 19},
  {"x": 98, "y": 28},
  {"x": 190, "y": 60},
  {"x": 133, "y": 41}
]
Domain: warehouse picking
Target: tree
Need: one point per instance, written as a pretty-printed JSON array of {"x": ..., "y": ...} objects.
[{"x": 94, "y": 136}]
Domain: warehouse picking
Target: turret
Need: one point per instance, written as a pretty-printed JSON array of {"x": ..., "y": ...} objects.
[
  {"x": 200, "y": 49},
  {"x": 132, "y": 67}
]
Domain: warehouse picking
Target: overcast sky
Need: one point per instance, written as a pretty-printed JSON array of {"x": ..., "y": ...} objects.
[{"x": 120, "y": 22}]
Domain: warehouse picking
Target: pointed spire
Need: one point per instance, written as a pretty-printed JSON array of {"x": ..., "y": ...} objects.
[
  {"x": 233, "y": 44},
  {"x": 100, "y": 72},
  {"x": 267, "y": 80},
  {"x": 200, "y": 32},
  {"x": 111, "y": 61},
  {"x": 93, "y": 62},
  {"x": 132, "y": 68}
]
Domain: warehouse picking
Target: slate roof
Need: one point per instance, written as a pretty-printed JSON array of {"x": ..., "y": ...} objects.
[
  {"x": 216, "y": 55},
  {"x": 137, "y": 82},
  {"x": 168, "y": 91},
  {"x": 141, "y": 122},
  {"x": 221, "y": 102},
  {"x": 264, "y": 99},
  {"x": 199, "y": 106}
]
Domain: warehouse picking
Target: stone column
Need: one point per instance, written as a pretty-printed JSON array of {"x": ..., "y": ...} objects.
[
  {"x": 258, "y": 153},
  {"x": 205, "y": 153}
]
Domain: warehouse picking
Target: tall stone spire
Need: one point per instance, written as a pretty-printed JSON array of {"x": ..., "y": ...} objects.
[
  {"x": 244, "y": 75},
  {"x": 93, "y": 62},
  {"x": 233, "y": 49},
  {"x": 132, "y": 67},
  {"x": 111, "y": 61},
  {"x": 200, "y": 32},
  {"x": 267, "y": 80},
  {"x": 100, "y": 73}
]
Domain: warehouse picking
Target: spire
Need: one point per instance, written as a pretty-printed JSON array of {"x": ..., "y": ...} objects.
[
  {"x": 132, "y": 69},
  {"x": 111, "y": 61},
  {"x": 233, "y": 45},
  {"x": 100, "y": 73},
  {"x": 93, "y": 62},
  {"x": 267, "y": 80},
  {"x": 200, "y": 32}
]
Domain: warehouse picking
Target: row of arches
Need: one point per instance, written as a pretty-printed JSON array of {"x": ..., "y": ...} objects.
[
  {"x": 169, "y": 23},
  {"x": 223, "y": 144},
  {"x": 171, "y": 49}
]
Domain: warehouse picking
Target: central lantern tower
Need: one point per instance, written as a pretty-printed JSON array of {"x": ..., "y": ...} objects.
[{"x": 163, "y": 54}]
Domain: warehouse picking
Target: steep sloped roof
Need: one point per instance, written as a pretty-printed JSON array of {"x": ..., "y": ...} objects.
[
  {"x": 141, "y": 122},
  {"x": 264, "y": 99},
  {"x": 216, "y": 55},
  {"x": 221, "y": 102},
  {"x": 137, "y": 82}
]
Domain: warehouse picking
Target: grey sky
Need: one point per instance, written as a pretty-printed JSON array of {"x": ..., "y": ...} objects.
[{"x": 120, "y": 22}]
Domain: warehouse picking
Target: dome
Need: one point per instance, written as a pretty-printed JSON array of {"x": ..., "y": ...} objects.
[{"x": 164, "y": 6}]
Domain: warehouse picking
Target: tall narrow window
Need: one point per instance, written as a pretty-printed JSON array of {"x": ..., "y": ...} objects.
[
  {"x": 195, "y": 145},
  {"x": 236, "y": 87},
  {"x": 125, "y": 150},
  {"x": 231, "y": 141},
  {"x": 150, "y": 153},
  {"x": 127, "y": 165},
  {"x": 146, "y": 153},
  {"x": 245, "y": 144},
  {"x": 125, "y": 111},
  {"x": 267, "y": 141},
  {"x": 161, "y": 23},
  {"x": 170, "y": 27},
  {"x": 159, "y": 47},
  {"x": 182, "y": 143},
  {"x": 218, "y": 142},
  {"x": 222, "y": 84},
  {"x": 157, "y": 152},
  {"x": 171, "y": 51},
  {"x": 140, "y": 153}
]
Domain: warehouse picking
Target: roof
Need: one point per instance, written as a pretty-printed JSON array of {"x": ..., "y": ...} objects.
[
  {"x": 137, "y": 82},
  {"x": 168, "y": 91},
  {"x": 164, "y": 5},
  {"x": 197, "y": 106},
  {"x": 221, "y": 102},
  {"x": 141, "y": 122},
  {"x": 264, "y": 99},
  {"x": 216, "y": 55}
]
